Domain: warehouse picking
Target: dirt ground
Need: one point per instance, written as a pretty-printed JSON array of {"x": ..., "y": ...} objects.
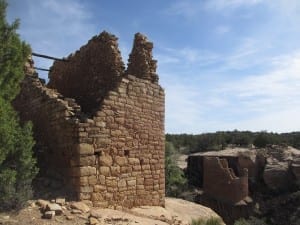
[{"x": 176, "y": 212}]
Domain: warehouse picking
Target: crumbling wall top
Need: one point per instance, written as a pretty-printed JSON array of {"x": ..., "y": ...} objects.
[
  {"x": 141, "y": 63},
  {"x": 90, "y": 73}
]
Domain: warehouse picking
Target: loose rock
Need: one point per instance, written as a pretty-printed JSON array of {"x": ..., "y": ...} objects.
[
  {"x": 49, "y": 214},
  {"x": 80, "y": 206}
]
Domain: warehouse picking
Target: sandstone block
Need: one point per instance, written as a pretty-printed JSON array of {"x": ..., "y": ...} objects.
[
  {"x": 87, "y": 171},
  {"x": 85, "y": 149},
  {"x": 111, "y": 182},
  {"x": 105, "y": 170},
  {"x": 87, "y": 160},
  {"x": 136, "y": 168},
  {"x": 116, "y": 133},
  {"x": 120, "y": 120},
  {"x": 100, "y": 124},
  {"x": 60, "y": 201},
  {"x": 84, "y": 196},
  {"x": 146, "y": 167},
  {"x": 115, "y": 170},
  {"x": 96, "y": 197},
  {"x": 93, "y": 221},
  {"x": 101, "y": 204},
  {"x": 54, "y": 208},
  {"x": 49, "y": 214},
  {"x": 92, "y": 180},
  {"x": 133, "y": 161},
  {"x": 131, "y": 182},
  {"x": 100, "y": 188},
  {"x": 42, "y": 203},
  {"x": 121, "y": 160},
  {"x": 122, "y": 183},
  {"x": 83, "y": 181},
  {"x": 101, "y": 179},
  {"x": 80, "y": 206},
  {"x": 140, "y": 181},
  {"x": 86, "y": 189},
  {"x": 97, "y": 213},
  {"x": 105, "y": 160}
]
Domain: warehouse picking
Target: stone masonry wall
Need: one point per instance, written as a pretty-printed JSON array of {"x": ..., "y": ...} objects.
[
  {"x": 220, "y": 182},
  {"x": 90, "y": 73},
  {"x": 55, "y": 129},
  {"x": 114, "y": 156},
  {"x": 127, "y": 163}
]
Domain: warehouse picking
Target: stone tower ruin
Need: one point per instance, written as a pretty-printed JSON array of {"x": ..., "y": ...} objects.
[{"x": 101, "y": 127}]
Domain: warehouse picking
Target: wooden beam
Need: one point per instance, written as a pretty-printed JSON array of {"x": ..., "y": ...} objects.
[{"x": 48, "y": 57}]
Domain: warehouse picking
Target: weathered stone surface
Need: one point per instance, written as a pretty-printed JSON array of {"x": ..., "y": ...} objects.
[
  {"x": 49, "y": 214},
  {"x": 55, "y": 208},
  {"x": 105, "y": 160},
  {"x": 96, "y": 213},
  {"x": 93, "y": 221},
  {"x": 42, "y": 203},
  {"x": 85, "y": 149},
  {"x": 276, "y": 175},
  {"x": 121, "y": 160},
  {"x": 60, "y": 201},
  {"x": 87, "y": 171},
  {"x": 80, "y": 206}
]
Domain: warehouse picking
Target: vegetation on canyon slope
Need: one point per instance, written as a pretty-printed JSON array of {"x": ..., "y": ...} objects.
[{"x": 189, "y": 143}]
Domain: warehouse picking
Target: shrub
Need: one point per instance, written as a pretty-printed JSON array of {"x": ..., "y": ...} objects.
[
  {"x": 210, "y": 221},
  {"x": 251, "y": 221},
  {"x": 175, "y": 180}
]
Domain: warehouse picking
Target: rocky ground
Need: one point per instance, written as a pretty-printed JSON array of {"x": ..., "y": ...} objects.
[{"x": 58, "y": 211}]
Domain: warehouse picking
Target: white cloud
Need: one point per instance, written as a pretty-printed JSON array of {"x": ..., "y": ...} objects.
[
  {"x": 272, "y": 99},
  {"x": 265, "y": 101},
  {"x": 229, "y": 4},
  {"x": 222, "y": 29},
  {"x": 193, "y": 8},
  {"x": 187, "y": 55},
  {"x": 188, "y": 9}
]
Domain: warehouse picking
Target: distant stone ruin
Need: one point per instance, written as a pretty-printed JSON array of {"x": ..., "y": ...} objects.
[
  {"x": 236, "y": 180},
  {"x": 101, "y": 127},
  {"x": 220, "y": 181}
]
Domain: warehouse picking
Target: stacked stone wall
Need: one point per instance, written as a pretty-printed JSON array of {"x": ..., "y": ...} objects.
[
  {"x": 90, "y": 73},
  {"x": 54, "y": 119},
  {"x": 127, "y": 162},
  {"x": 220, "y": 181},
  {"x": 113, "y": 157}
]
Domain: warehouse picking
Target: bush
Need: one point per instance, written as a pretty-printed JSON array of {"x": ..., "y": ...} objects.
[
  {"x": 251, "y": 221},
  {"x": 210, "y": 221},
  {"x": 175, "y": 180}
]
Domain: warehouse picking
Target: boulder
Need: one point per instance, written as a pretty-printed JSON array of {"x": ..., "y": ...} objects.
[
  {"x": 49, "y": 214},
  {"x": 42, "y": 203},
  {"x": 276, "y": 175},
  {"x": 55, "y": 208},
  {"x": 295, "y": 167}
]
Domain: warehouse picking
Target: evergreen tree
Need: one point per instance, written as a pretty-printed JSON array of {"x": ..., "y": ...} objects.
[
  {"x": 175, "y": 179},
  {"x": 17, "y": 165}
]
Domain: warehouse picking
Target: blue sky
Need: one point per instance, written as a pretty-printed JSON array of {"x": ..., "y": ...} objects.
[{"x": 224, "y": 64}]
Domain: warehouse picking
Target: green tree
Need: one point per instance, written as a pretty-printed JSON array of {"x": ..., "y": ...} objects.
[
  {"x": 261, "y": 140},
  {"x": 175, "y": 180},
  {"x": 17, "y": 165}
]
